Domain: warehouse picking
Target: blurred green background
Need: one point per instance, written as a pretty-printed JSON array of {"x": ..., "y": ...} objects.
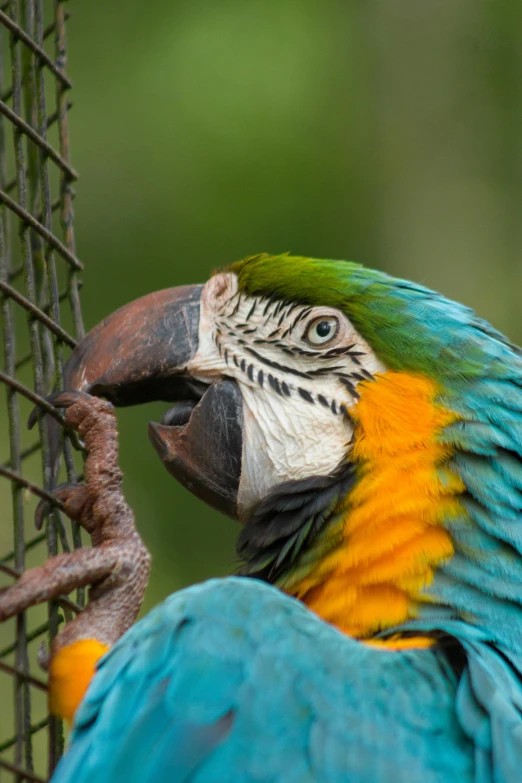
[
  {"x": 384, "y": 132},
  {"x": 388, "y": 133}
]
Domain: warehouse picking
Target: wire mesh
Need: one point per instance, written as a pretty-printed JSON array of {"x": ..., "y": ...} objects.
[{"x": 40, "y": 320}]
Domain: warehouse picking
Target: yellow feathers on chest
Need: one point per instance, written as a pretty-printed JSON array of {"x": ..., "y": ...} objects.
[{"x": 392, "y": 536}]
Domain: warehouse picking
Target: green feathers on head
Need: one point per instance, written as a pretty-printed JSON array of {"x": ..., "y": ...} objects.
[
  {"x": 408, "y": 326},
  {"x": 479, "y": 375}
]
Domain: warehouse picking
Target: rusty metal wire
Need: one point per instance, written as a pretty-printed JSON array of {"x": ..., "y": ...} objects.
[{"x": 40, "y": 321}]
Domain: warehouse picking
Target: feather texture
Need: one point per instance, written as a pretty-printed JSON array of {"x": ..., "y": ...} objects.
[{"x": 233, "y": 681}]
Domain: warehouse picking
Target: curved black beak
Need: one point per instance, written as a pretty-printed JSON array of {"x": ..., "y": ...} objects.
[
  {"x": 205, "y": 453},
  {"x": 140, "y": 354}
]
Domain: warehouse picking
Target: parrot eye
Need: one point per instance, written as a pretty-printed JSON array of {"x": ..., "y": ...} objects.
[{"x": 321, "y": 330}]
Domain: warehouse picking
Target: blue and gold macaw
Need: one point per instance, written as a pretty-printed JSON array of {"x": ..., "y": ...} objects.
[{"x": 367, "y": 434}]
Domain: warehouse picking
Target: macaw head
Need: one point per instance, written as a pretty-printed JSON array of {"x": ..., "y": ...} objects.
[{"x": 365, "y": 431}]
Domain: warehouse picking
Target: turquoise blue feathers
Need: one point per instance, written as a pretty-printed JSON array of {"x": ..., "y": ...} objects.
[{"x": 233, "y": 681}]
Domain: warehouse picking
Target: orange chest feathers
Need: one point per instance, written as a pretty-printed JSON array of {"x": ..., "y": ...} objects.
[{"x": 392, "y": 536}]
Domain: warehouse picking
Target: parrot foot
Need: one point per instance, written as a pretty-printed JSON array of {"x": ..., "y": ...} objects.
[
  {"x": 74, "y": 498},
  {"x": 118, "y": 564}
]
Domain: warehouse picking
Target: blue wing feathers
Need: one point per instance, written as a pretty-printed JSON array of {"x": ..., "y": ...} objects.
[
  {"x": 234, "y": 681},
  {"x": 231, "y": 681},
  {"x": 488, "y": 702}
]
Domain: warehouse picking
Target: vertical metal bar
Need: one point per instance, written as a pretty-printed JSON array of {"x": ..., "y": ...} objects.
[
  {"x": 30, "y": 74},
  {"x": 66, "y": 191},
  {"x": 66, "y": 221},
  {"x": 21, "y": 689},
  {"x": 7, "y": 326},
  {"x": 23, "y": 748},
  {"x": 3, "y": 149},
  {"x": 56, "y": 728},
  {"x": 33, "y": 184}
]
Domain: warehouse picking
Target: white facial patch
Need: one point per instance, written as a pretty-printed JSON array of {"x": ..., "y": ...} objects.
[{"x": 298, "y": 368}]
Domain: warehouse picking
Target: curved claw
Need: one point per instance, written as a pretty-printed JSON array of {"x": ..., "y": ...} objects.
[
  {"x": 66, "y": 398},
  {"x": 74, "y": 498},
  {"x": 117, "y": 565},
  {"x": 60, "y": 399},
  {"x": 33, "y": 418},
  {"x": 42, "y": 510}
]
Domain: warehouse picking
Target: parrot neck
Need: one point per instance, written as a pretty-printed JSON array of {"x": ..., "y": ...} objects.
[{"x": 387, "y": 533}]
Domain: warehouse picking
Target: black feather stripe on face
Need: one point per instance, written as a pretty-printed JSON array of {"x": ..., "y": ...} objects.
[
  {"x": 286, "y": 522},
  {"x": 247, "y": 329}
]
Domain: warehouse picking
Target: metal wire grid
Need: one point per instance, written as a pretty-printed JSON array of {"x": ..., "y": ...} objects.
[{"x": 40, "y": 319}]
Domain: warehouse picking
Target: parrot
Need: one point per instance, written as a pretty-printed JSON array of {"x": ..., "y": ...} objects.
[{"x": 365, "y": 433}]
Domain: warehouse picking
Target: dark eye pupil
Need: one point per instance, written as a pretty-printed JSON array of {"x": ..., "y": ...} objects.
[{"x": 323, "y": 328}]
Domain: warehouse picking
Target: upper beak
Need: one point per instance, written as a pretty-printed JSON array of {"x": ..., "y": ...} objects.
[{"x": 140, "y": 353}]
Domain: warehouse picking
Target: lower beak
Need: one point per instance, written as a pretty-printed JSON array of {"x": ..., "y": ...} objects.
[
  {"x": 205, "y": 453},
  {"x": 140, "y": 354}
]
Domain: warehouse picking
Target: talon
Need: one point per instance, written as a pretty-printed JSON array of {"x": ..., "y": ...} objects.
[
  {"x": 74, "y": 498},
  {"x": 77, "y": 504},
  {"x": 59, "y": 399},
  {"x": 116, "y": 567},
  {"x": 64, "y": 399},
  {"x": 33, "y": 418},
  {"x": 58, "y": 576},
  {"x": 42, "y": 510}
]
